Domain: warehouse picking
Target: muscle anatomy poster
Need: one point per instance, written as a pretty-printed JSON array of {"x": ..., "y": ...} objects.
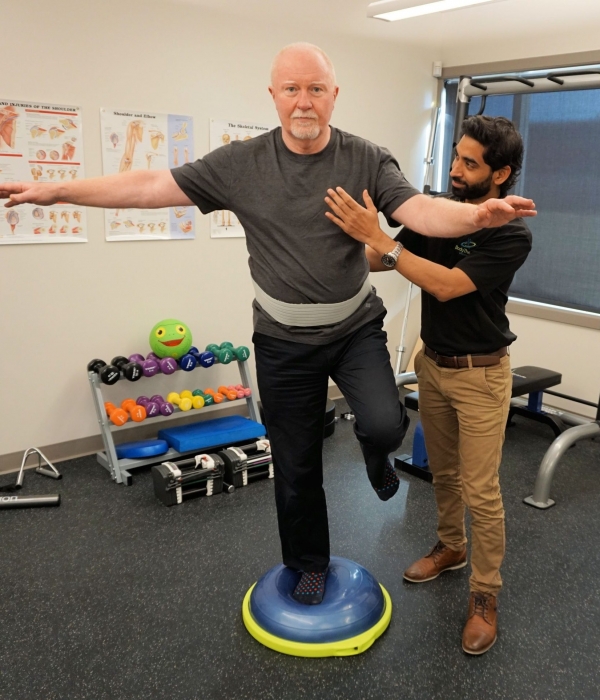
[
  {"x": 224, "y": 224},
  {"x": 133, "y": 140},
  {"x": 41, "y": 142}
]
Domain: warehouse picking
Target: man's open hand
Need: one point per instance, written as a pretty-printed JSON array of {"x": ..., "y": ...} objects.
[
  {"x": 497, "y": 212},
  {"x": 28, "y": 193},
  {"x": 362, "y": 223}
]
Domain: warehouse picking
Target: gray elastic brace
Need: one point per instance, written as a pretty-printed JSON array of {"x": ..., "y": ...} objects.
[{"x": 305, "y": 315}]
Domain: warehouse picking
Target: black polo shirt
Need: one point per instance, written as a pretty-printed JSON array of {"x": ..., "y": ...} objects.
[{"x": 474, "y": 323}]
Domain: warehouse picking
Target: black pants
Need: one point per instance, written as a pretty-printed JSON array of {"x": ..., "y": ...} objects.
[{"x": 293, "y": 381}]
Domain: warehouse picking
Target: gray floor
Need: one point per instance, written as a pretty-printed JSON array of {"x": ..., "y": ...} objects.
[{"x": 115, "y": 596}]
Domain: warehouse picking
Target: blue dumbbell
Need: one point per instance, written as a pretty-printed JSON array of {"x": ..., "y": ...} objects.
[
  {"x": 188, "y": 362},
  {"x": 204, "y": 359}
]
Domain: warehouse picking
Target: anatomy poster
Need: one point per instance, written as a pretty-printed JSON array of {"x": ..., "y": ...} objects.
[
  {"x": 41, "y": 142},
  {"x": 224, "y": 224},
  {"x": 146, "y": 141}
]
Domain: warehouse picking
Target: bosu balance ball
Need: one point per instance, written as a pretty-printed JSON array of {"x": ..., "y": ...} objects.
[{"x": 355, "y": 611}]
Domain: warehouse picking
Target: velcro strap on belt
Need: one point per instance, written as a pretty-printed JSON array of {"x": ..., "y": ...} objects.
[
  {"x": 462, "y": 361},
  {"x": 305, "y": 315}
]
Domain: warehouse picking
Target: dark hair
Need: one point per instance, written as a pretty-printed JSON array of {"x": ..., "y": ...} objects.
[{"x": 502, "y": 144}]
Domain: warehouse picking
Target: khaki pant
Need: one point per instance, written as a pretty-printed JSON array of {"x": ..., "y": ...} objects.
[{"x": 464, "y": 414}]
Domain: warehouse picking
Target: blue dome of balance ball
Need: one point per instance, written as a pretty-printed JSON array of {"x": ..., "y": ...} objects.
[{"x": 355, "y": 611}]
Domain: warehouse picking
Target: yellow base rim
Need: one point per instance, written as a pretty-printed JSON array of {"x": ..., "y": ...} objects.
[{"x": 345, "y": 647}]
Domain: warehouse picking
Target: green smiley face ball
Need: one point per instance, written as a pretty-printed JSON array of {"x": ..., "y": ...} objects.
[{"x": 170, "y": 338}]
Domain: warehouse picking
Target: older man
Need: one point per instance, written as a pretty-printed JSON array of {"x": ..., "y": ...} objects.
[{"x": 315, "y": 314}]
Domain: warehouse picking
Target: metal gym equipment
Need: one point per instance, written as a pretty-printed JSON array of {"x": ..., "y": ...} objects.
[
  {"x": 581, "y": 429},
  {"x": 14, "y": 501}
]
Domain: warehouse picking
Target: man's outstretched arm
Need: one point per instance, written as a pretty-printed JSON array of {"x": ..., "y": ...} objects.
[
  {"x": 139, "y": 189},
  {"x": 444, "y": 218}
]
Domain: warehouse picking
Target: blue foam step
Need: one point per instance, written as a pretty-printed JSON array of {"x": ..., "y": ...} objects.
[
  {"x": 142, "y": 449},
  {"x": 212, "y": 433}
]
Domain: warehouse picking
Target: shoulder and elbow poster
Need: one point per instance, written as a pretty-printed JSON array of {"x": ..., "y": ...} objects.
[{"x": 139, "y": 140}]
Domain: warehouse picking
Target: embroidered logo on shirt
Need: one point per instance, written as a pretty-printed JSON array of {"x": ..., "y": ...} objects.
[{"x": 465, "y": 247}]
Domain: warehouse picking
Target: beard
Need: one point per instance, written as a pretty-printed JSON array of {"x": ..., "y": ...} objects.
[
  {"x": 475, "y": 191},
  {"x": 305, "y": 131}
]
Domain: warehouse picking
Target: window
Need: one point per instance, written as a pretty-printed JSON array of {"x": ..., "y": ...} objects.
[{"x": 561, "y": 173}]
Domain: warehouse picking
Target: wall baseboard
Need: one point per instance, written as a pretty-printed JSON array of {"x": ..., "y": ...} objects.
[{"x": 72, "y": 449}]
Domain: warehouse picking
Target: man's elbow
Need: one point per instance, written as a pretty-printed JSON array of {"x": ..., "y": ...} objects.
[{"x": 446, "y": 293}]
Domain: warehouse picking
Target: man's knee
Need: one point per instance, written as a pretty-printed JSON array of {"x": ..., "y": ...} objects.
[{"x": 384, "y": 431}]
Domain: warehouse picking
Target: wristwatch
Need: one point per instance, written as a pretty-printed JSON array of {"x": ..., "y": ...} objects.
[{"x": 390, "y": 259}]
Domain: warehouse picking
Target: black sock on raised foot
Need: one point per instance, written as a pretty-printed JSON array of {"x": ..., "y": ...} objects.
[
  {"x": 311, "y": 588},
  {"x": 390, "y": 485}
]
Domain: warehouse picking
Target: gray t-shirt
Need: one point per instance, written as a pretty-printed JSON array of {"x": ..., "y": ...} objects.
[{"x": 296, "y": 254}]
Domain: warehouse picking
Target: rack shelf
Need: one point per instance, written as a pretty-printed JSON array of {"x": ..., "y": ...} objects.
[{"x": 119, "y": 469}]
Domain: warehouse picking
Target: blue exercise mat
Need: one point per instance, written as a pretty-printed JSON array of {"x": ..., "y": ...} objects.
[{"x": 212, "y": 433}]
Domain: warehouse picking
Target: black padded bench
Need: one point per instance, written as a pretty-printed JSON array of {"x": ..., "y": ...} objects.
[{"x": 526, "y": 380}]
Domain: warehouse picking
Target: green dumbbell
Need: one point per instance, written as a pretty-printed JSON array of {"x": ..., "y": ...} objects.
[
  {"x": 242, "y": 353},
  {"x": 222, "y": 354},
  {"x": 208, "y": 399},
  {"x": 225, "y": 355}
]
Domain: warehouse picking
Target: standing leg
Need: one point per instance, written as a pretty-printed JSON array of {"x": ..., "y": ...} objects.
[
  {"x": 440, "y": 428},
  {"x": 292, "y": 379},
  {"x": 481, "y": 397},
  {"x": 482, "y": 400},
  {"x": 360, "y": 366}
]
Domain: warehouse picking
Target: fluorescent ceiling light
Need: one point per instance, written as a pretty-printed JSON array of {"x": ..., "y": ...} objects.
[{"x": 392, "y": 10}]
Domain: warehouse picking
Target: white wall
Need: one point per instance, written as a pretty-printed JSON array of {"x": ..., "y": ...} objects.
[
  {"x": 524, "y": 40},
  {"x": 66, "y": 304}
]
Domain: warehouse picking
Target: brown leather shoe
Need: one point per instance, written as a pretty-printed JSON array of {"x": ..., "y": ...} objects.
[
  {"x": 441, "y": 558},
  {"x": 481, "y": 630}
]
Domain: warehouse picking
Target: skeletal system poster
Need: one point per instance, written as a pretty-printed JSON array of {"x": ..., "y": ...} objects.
[
  {"x": 224, "y": 224},
  {"x": 41, "y": 142},
  {"x": 134, "y": 140}
]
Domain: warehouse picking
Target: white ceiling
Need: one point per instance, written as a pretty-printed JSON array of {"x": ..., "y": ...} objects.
[{"x": 544, "y": 22}]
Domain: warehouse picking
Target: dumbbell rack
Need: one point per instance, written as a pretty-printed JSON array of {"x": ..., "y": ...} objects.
[{"x": 119, "y": 468}]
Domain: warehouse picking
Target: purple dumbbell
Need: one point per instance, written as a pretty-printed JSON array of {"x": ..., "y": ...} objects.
[
  {"x": 157, "y": 398},
  {"x": 152, "y": 356},
  {"x": 136, "y": 358},
  {"x": 152, "y": 409},
  {"x": 142, "y": 401},
  {"x": 150, "y": 368},
  {"x": 168, "y": 365},
  {"x": 166, "y": 408}
]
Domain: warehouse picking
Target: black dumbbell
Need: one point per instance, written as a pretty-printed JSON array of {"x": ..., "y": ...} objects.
[
  {"x": 109, "y": 374},
  {"x": 131, "y": 370}
]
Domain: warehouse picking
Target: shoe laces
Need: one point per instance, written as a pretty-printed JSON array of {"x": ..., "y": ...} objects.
[
  {"x": 481, "y": 603},
  {"x": 437, "y": 550}
]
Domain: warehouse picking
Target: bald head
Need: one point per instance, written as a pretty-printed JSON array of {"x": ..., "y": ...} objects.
[{"x": 302, "y": 56}]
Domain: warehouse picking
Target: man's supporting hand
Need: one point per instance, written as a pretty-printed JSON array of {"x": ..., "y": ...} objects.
[{"x": 359, "y": 222}]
